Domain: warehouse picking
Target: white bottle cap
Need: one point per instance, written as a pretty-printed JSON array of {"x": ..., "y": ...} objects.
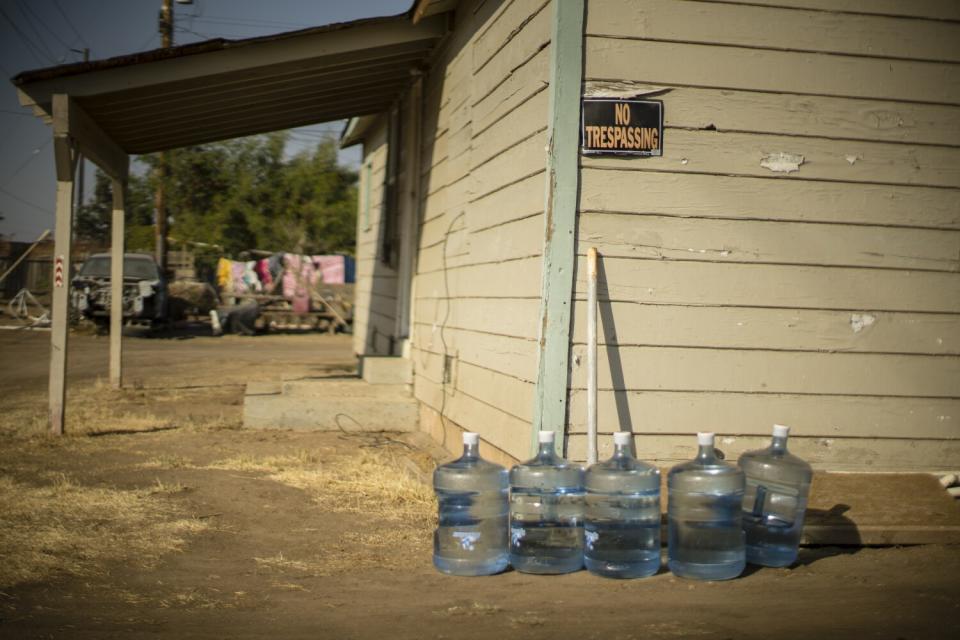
[
  {"x": 470, "y": 438},
  {"x": 705, "y": 439},
  {"x": 547, "y": 436},
  {"x": 781, "y": 431},
  {"x": 622, "y": 438}
]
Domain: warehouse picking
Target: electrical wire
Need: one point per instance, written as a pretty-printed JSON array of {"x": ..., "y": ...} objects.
[
  {"x": 29, "y": 22},
  {"x": 26, "y": 202},
  {"x": 71, "y": 25},
  {"x": 33, "y": 155},
  {"x": 31, "y": 46}
]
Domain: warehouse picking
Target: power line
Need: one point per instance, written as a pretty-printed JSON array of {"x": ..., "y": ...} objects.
[
  {"x": 253, "y": 22},
  {"x": 70, "y": 24},
  {"x": 31, "y": 47},
  {"x": 25, "y": 8},
  {"x": 29, "y": 22},
  {"x": 23, "y": 165},
  {"x": 16, "y": 113},
  {"x": 26, "y": 202}
]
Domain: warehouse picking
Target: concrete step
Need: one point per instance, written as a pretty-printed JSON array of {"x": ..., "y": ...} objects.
[
  {"x": 332, "y": 404},
  {"x": 386, "y": 370}
]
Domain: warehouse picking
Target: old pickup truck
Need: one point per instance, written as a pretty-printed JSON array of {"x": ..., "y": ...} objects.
[{"x": 144, "y": 290}]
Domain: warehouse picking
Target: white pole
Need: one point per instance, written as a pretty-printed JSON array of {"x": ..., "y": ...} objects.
[
  {"x": 116, "y": 286},
  {"x": 592, "y": 355}
]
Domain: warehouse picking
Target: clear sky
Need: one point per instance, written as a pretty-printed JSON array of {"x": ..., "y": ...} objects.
[{"x": 44, "y": 33}]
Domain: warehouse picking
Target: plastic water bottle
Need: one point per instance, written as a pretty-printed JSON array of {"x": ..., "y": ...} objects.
[
  {"x": 706, "y": 538},
  {"x": 621, "y": 522},
  {"x": 471, "y": 536},
  {"x": 778, "y": 484},
  {"x": 546, "y": 512}
]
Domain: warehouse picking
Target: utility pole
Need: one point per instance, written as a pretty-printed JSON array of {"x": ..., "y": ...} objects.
[
  {"x": 163, "y": 168},
  {"x": 80, "y": 159}
]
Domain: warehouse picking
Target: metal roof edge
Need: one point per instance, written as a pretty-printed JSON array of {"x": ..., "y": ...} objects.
[
  {"x": 356, "y": 129},
  {"x": 218, "y": 44}
]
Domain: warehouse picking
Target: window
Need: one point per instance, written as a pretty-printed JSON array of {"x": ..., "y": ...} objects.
[{"x": 390, "y": 214}]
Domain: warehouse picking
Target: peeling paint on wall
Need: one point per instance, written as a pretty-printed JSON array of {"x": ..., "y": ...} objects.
[
  {"x": 782, "y": 162},
  {"x": 860, "y": 321}
]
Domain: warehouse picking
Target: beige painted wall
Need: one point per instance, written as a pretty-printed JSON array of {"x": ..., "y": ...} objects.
[
  {"x": 481, "y": 233},
  {"x": 376, "y": 290},
  {"x": 733, "y": 297}
]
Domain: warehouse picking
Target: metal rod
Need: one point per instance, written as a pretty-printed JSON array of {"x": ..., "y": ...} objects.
[{"x": 592, "y": 355}]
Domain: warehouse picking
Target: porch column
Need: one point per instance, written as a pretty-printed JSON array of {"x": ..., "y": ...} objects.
[
  {"x": 66, "y": 162},
  {"x": 116, "y": 285}
]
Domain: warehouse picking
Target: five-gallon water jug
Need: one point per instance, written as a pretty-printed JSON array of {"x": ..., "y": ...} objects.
[
  {"x": 706, "y": 539},
  {"x": 775, "y": 500},
  {"x": 546, "y": 512},
  {"x": 621, "y": 521},
  {"x": 471, "y": 536}
]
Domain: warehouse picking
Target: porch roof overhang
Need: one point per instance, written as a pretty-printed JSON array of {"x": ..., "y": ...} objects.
[{"x": 220, "y": 89}]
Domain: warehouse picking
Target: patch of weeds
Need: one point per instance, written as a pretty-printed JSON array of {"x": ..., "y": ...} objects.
[
  {"x": 471, "y": 610},
  {"x": 67, "y": 528},
  {"x": 167, "y": 461},
  {"x": 527, "y": 619}
]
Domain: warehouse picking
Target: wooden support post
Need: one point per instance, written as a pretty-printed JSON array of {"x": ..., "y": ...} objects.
[
  {"x": 560, "y": 220},
  {"x": 65, "y": 158},
  {"x": 116, "y": 286}
]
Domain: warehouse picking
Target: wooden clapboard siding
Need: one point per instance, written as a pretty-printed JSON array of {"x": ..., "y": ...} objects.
[
  {"x": 651, "y": 236},
  {"x": 778, "y": 286},
  {"x": 376, "y": 284},
  {"x": 716, "y": 152},
  {"x": 726, "y": 67},
  {"x": 817, "y": 31},
  {"x": 936, "y": 9},
  {"x": 806, "y": 115},
  {"x": 638, "y": 324},
  {"x": 722, "y": 196},
  {"x": 833, "y": 454},
  {"x": 671, "y": 412},
  {"x": 761, "y": 371},
  {"x": 481, "y": 227},
  {"x": 732, "y": 296}
]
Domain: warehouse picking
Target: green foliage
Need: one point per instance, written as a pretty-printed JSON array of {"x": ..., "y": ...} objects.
[{"x": 240, "y": 195}]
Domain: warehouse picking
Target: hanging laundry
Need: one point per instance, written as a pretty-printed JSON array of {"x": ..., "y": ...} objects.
[
  {"x": 332, "y": 268},
  {"x": 262, "y": 269},
  {"x": 224, "y": 274}
]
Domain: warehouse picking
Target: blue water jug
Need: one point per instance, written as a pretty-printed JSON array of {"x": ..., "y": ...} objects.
[
  {"x": 706, "y": 539},
  {"x": 471, "y": 535},
  {"x": 621, "y": 522},
  {"x": 775, "y": 501},
  {"x": 546, "y": 512}
]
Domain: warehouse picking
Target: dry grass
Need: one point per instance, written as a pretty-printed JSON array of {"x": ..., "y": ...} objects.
[
  {"x": 96, "y": 409},
  {"x": 66, "y": 528},
  {"x": 370, "y": 482}
]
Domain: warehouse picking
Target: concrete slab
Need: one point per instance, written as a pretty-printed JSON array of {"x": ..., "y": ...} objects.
[
  {"x": 386, "y": 370},
  {"x": 331, "y": 404}
]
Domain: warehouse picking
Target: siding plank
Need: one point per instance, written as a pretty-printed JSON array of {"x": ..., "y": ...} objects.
[
  {"x": 659, "y": 412},
  {"x": 674, "y": 369},
  {"x": 751, "y": 328},
  {"x": 756, "y": 70},
  {"x": 848, "y": 160},
  {"x": 740, "y": 25},
  {"x": 722, "y": 284},
  {"x": 769, "y": 242},
  {"x": 834, "y": 454},
  {"x": 765, "y": 199},
  {"x": 514, "y": 279},
  {"x": 820, "y": 116},
  {"x": 937, "y": 9}
]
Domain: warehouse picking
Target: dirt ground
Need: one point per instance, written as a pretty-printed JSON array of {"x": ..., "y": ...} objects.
[{"x": 158, "y": 517}]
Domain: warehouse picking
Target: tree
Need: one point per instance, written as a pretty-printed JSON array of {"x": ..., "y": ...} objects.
[
  {"x": 95, "y": 217},
  {"x": 240, "y": 195}
]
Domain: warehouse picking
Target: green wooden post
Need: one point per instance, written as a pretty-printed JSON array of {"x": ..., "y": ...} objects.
[{"x": 559, "y": 250}]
